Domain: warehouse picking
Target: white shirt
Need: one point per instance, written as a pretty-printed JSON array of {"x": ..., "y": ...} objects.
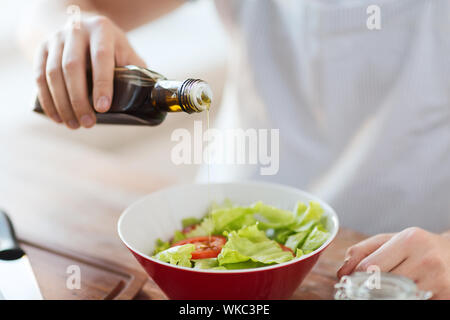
[{"x": 364, "y": 115}]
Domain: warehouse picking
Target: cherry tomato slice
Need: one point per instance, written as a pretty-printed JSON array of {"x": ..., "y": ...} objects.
[
  {"x": 284, "y": 248},
  {"x": 205, "y": 247}
]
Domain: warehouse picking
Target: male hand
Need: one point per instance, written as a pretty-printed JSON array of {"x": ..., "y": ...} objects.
[
  {"x": 422, "y": 256},
  {"x": 61, "y": 63}
]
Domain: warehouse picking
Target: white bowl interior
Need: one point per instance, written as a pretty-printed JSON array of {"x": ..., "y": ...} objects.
[{"x": 159, "y": 214}]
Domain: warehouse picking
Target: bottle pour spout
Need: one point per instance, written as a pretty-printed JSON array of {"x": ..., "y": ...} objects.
[{"x": 195, "y": 95}]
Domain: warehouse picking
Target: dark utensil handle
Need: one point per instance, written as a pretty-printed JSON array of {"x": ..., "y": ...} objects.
[{"x": 9, "y": 246}]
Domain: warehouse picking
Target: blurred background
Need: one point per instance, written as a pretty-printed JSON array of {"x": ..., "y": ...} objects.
[{"x": 134, "y": 147}]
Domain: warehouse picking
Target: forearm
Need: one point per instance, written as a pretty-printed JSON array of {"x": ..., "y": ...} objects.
[
  {"x": 42, "y": 18},
  {"x": 129, "y": 15}
]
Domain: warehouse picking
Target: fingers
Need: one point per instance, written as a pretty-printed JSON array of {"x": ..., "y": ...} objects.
[
  {"x": 43, "y": 92},
  {"x": 439, "y": 287},
  {"x": 427, "y": 271},
  {"x": 102, "y": 59},
  {"x": 61, "y": 70},
  {"x": 361, "y": 250},
  {"x": 74, "y": 71},
  {"x": 386, "y": 257},
  {"x": 414, "y": 253},
  {"x": 407, "y": 268},
  {"x": 414, "y": 269},
  {"x": 57, "y": 87},
  {"x": 428, "y": 261},
  {"x": 409, "y": 242}
]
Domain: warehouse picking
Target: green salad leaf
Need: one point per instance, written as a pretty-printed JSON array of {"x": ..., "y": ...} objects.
[
  {"x": 296, "y": 240},
  {"x": 213, "y": 264},
  {"x": 226, "y": 204},
  {"x": 310, "y": 233},
  {"x": 315, "y": 239},
  {"x": 178, "y": 236},
  {"x": 250, "y": 243},
  {"x": 300, "y": 208},
  {"x": 313, "y": 213},
  {"x": 206, "y": 227},
  {"x": 231, "y": 218},
  {"x": 178, "y": 255},
  {"x": 254, "y": 234},
  {"x": 209, "y": 263},
  {"x": 161, "y": 246},
  {"x": 271, "y": 217},
  {"x": 281, "y": 235},
  {"x": 187, "y": 222},
  {"x": 243, "y": 265}
]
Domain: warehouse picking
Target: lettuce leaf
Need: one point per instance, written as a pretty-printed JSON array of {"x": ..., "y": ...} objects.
[
  {"x": 226, "y": 204},
  {"x": 210, "y": 263},
  {"x": 271, "y": 217},
  {"x": 161, "y": 246},
  {"x": 231, "y": 255},
  {"x": 219, "y": 268},
  {"x": 297, "y": 239},
  {"x": 213, "y": 264},
  {"x": 244, "y": 265},
  {"x": 279, "y": 235},
  {"x": 250, "y": 243},
  {"x": 178, "y": 236},
  {"x": 312, "y": 213},
  {"x": 315, "y": 239},
  {"x": 300, "y": 208},
  {"x": 282, "y": 235},
  {"x": 308, "y": 219},
  {"x": 244, "y": 221},
  {"x": 205, "y": 228},
  {"x": 187, "y": 222},
  {"x": 231, "y": 218},
  {"x": 178, "y": 255},
  {"x": 294, "y": 241},
  {"x": 254, "y": 234}
]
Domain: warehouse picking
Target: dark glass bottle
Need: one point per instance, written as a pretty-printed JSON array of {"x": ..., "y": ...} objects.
[{"x": 143, "y": 97}]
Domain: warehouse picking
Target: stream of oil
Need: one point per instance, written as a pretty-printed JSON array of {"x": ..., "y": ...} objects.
[
  {"x": 208, "y": 152},
  {"x": 209, "y": 165}
]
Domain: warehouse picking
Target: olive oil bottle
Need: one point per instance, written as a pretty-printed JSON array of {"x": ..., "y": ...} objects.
[{"x": 144, "y": 97}]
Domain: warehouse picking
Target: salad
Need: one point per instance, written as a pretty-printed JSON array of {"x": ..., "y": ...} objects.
[{"x": 237, "y": 237}]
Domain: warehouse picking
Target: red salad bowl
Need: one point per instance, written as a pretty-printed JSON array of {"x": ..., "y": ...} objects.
[{"x": 159, "y": 214}]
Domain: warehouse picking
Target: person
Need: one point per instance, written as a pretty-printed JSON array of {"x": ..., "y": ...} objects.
[{"x": 364, "y": 114}]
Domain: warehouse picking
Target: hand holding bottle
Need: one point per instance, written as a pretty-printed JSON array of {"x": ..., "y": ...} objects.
[{"x": 61, "y": 64}]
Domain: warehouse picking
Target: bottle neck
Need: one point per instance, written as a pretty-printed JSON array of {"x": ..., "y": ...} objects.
[{"x": 191, "y": 95}]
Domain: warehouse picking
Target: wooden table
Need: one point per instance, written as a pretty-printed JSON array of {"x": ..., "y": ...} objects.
[{"x": 65, "y": 199}]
